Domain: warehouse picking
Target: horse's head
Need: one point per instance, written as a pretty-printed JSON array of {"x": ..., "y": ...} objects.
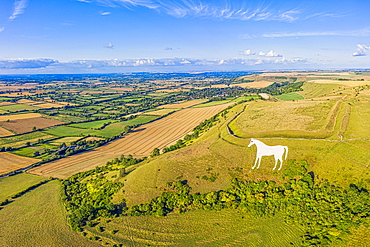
[{"x": 252, "y": 142}]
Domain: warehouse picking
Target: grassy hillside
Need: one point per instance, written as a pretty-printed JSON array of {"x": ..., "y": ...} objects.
[
  {"x": 197, "y": 228},
  {"x": 38, "y": 219}
]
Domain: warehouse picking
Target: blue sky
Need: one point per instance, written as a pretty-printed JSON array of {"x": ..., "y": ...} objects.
[{"x": 98, "y": 36}]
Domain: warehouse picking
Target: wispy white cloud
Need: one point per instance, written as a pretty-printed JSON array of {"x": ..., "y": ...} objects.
[
  {"x": 105, "y": 13},
  {"x": 220, "y": 9},
  {"x": 2, "y": 29},
  {"x": 19, "y": 8},
  {"x": 354, "y": 33},
  {"x": 361, "y": 50}
]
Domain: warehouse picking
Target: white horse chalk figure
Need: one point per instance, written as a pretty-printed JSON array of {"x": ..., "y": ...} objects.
[{"x": 264, "y": 150}]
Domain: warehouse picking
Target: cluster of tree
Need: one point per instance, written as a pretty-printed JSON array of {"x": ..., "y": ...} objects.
[
  {"x": 281, "y": 88},
  {"x": 87, "y": 195},
  {"x": 325, "y": 212}
]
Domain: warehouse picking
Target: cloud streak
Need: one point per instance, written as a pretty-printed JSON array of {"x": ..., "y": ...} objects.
[
  {"x": 140, "y": 63},
  {"x": 355, "y": 33},
  {"x": 19, "y": 8},
  {"x": 217, "y": 9}
]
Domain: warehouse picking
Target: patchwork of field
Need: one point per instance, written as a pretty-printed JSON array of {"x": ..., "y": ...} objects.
[
  {"x": 11, "y": 162},
  {"x": 21, "y": 126},
  {"x": 139, "y": 143},
  {"x": 198, "y": 228},
  {"x": 109, "y": 131},
  {"x": 38, "y": 218}
]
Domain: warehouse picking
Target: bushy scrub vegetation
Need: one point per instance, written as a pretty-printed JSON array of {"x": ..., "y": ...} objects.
[
  {"x": 326, "y": 212},
  {"x": 87, "y": 195}
]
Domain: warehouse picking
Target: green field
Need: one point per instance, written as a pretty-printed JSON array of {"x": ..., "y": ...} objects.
[
  {"x": 92, "y": 125},
  {"x": 27, "y": 152},
  {"x": 38, "y": 218},
  {"x": 18, "y": 107},
  {"x": 12, "y": 185},
  {"x": 198, "y": 228},
  {"x": 290, "y": 96},
  {"x": 68, "y": 118},
  {"x": 21, "y": 140},
  {"x": 108, "y": 132},
  {"x": 313, "y": 90}
]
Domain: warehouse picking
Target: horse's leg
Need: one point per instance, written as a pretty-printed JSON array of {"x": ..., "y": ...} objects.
[
  {"x": 281, "y": 163},
  {"x": 255, "y": 163},
  {"x": 259, "y": 162},
  {"x": 275, "y": 163}
]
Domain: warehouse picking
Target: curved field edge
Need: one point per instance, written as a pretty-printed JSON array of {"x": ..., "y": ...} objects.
[
  {"x": 197, "y": 228},
  {"x": 38, "y": 218},
  {"x": 138, "y": 143}
]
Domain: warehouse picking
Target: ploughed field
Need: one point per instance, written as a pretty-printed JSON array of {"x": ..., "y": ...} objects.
[{"x": 138, "y": 143}]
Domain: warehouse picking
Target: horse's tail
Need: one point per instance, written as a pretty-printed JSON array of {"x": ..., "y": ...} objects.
[{"x": 286, "y": 151}]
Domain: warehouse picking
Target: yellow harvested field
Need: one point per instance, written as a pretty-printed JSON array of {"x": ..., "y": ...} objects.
[
  {"x": 343, "y": 83},
  {"x": 27, "y": 102},
  {"x": 161, "y": 112},
  {"x": 6, "y": 103},
  {"x": 49, "y": 105},
  {"x": 184, "y": 104},
  {"x": 11, "y": 162},
  {"x": 139, "y": 143},
  {"x": 19, "y": 116},
  {"x": 4, "y": 132},
  {"x": 255, "y": 84},
  {"x": 14, "y": 95}
]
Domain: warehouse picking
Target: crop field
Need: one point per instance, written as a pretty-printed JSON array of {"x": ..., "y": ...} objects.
[
  {"x": 217, "y": 228},
  {"x": 111, "y": 130},
  {"x": 19, "y": 116},
  {"x": 18, "y": 107},
  {"x": 12, "y": 185},
  {"x": 11, "y": 162},
  {"x": 38, "y": 218},
  {"x": 141, "y": 142},
  {"x": 66, "y": 140},
  {"x": 92, "y": 125},
  {"x": 27, "y": 151},
  {"x": 212, "y": 103},
  {"x": 161, "y": 112},
  {"x": 254, "y": 84},
  {"x": 21, "y": 140},
  {"x": 184, "y": 104},
  {"x": 314, "y": 90},
  {"x": 290, "y": 96},
  {"x": 21, "y": 126},
  {"x": 48, "y": 105},
  {"x": 4, "y": 132},
  {"x": 284, "y": 118}
]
